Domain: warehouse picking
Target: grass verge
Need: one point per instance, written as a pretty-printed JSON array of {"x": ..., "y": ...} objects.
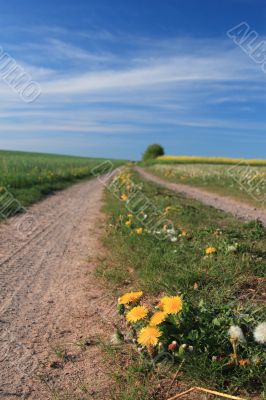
[{"x": 232, "y": 277}]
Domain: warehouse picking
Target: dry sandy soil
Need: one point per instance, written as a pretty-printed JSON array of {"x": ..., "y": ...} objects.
[
  {"x": 50, "y": 302},
  {"x": 239, "y": 209}
]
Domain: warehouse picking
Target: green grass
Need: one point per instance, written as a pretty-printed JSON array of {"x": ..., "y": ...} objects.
[
  {"x": 162, "y": 266},
  {"x": 244, "y": 183},
  {"x": 232, "y": 277},
  {"x": 30, "y": 176},
  {"x": 136, "y": 380}
]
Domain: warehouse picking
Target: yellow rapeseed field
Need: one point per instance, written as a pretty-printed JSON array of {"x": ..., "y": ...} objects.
[{"x": 211, "y": 160}]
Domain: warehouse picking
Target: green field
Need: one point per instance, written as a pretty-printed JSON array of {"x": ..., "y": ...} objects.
[
  {"x": 220, "y": 289},
  {"x": 243, "y": 181},
  {"x": 30, "y": 176}
]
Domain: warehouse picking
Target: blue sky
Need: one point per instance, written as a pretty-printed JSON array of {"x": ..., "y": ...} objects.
[{"x": 118, "y": 75}]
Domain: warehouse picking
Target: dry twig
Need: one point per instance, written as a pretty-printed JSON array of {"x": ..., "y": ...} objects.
[{"x": 196, "y": 388}]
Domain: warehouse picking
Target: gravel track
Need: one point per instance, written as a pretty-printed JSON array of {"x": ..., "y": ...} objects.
[
  {"x": 49, "y": 298},
  {"x": 227, "y": 204}
]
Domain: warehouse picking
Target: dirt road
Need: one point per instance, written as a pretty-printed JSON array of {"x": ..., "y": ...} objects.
[
  {"x": 50, "y": 303},
  {"x": 239, "y": 209}
]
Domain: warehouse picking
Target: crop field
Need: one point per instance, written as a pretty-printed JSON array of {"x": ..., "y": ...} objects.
[
  {"x": 243, "y": 181},
  {"x": 208, "y": 160},
  {"x": 193, "y": 290},
  {"x": 30, "y": 176}
]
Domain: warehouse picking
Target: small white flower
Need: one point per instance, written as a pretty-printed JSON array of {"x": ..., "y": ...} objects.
[
  {"x": 236, "y": 333},
  {"x": 173, "y": 239},
  {"x": 190, "y": 348},
  {"x": 232, "y": 248},
  {"x": 171, "y": 231},
  {"x": 260, "y": 333}
]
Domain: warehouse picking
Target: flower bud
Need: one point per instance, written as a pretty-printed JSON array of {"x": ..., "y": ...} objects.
[{"x": 172, "y": 346}]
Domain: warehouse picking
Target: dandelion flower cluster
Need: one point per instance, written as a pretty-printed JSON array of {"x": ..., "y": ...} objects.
[
  {"x": 139, "y": 231},
  {"x": 149, "y": 336},
  {"x": 260, "y": 333},
  {"x": 137, "y": 314},
  {"x": 130, "y": 297}
]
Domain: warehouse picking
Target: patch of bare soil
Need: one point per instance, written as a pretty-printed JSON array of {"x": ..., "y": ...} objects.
[
  {"x": 52, "y": 310},
  {"x": 252, "y": 289},
  {"x": 227, "y": 204}
]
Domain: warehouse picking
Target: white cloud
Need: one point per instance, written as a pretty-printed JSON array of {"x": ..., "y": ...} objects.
[
  {"x": 173, "y": 83},
  {"x": 172, "y": 70}
]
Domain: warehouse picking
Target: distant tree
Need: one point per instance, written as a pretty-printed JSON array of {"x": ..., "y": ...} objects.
[{"x": 153, "y": 151}]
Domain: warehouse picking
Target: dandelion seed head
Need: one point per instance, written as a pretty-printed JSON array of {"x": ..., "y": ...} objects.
[
  {"x": 236, "y": 333},
  {"x": 260, "y": 333}
]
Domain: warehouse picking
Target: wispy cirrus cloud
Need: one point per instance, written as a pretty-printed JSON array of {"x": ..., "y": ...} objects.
[{"x": 151, "y": 86}]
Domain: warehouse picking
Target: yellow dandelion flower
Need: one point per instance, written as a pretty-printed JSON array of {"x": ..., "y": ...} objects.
[
  {"x": 130, "y": 297},
  {"x": 139, "y": 231},
  {"x": 137, "y": 314},
  {"x": 172, "y": 304},
  {"x": 184, "y": 233},
  {"x": 149, "y": 336},
  {"x": 210, "y": 250},
  {"x": 130, "y": 215},
  {"x": 124, "y": 197},
  {"x": 128, "y": 223},
  {"x": 162, "y": 302},
  {"x": 158, "y": 318}
]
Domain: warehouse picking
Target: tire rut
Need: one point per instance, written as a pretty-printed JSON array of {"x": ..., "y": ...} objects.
[{"x": 46, "y": 283}]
